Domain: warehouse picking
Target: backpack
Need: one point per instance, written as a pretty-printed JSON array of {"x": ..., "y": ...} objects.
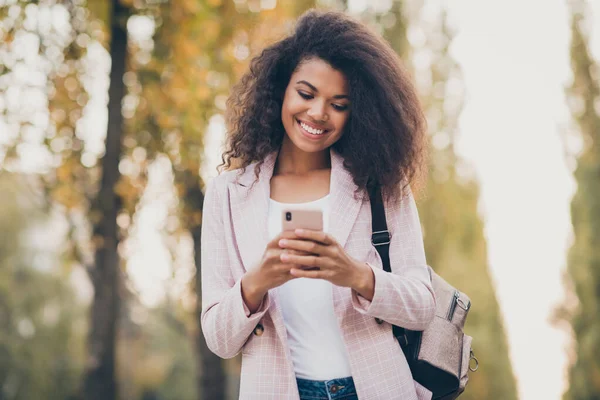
[{"x": 440, "y": 356}]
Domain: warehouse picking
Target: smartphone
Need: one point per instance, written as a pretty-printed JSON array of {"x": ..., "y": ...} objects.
[{"x": 292, "y": 219}]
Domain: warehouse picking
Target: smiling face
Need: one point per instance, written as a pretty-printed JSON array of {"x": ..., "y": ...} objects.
[{"x": 315, "y": 106}]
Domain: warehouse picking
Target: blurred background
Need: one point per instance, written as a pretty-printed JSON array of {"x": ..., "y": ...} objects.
[{"x": 111, "y": 124}]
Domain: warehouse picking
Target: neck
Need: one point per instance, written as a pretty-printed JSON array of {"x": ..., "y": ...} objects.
[{"x": 293, "y": 161}]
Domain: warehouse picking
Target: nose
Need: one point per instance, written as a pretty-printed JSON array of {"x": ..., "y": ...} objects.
[{"x": 318, "y": 111}]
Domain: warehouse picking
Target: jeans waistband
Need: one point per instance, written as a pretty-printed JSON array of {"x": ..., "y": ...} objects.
[{"x": 333, "y": 389}]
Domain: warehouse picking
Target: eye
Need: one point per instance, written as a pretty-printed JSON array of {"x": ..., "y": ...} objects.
[
  {"x": 340, "y": 107},
  {"x": 305, "y": 96}
]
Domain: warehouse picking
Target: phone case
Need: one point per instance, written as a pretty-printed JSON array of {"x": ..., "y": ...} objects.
[{"x": 301, "y": 219}]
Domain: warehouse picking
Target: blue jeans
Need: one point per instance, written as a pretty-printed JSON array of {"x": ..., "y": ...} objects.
[{"x": 334, "y": 389}]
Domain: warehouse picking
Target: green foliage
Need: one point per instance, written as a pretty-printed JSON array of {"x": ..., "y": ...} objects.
[
  {"x": 156, "y": 354},
  {"x": 583, "y": 270},
  {"x": 456, "y": 248},
  {"x": 200, "y": 49},
  {"x": 453, "y": 230},
  {"x": 41, "y": 337}
]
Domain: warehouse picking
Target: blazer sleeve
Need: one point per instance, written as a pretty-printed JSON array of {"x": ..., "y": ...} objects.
[
  {"x": 404, "y": 297},
  {"x": 225, "y": 318}
]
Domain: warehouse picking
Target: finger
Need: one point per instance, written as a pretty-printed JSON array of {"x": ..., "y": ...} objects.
[
  {"x": 307, "y": 246},
  {"x": 296, "y": 252},
  {"x": 303, "y": 273},
  {"x": 284, "y": 268},
  {"x": 283, "y": 235},
  {"x": 274, "y": 254},
  {"x": 317, "y": 236},
  {"x": 308, "y": 261},
  {"x": 288, "y": 235}
]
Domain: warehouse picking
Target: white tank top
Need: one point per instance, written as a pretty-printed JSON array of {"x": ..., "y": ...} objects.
[{"x": 314, "y": 336}]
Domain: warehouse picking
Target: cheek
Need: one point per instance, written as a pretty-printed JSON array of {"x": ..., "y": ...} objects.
[
  {"x": 286, "y": 114},
  {"x": 292, "y": 106},
  {"x": 284, "y": 106},
  {"x": 291, "y": 102}
]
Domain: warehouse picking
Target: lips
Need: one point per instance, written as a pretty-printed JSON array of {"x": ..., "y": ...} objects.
[
  {"x": 314, "y": 126},
  {"x": 311, "y": 135}
]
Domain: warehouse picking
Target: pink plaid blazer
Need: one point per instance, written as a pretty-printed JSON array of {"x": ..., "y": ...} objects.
[{"x": 234, "y": 237}]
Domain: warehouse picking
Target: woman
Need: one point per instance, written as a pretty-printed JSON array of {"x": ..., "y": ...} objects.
[{"x": 322, "y": 117}]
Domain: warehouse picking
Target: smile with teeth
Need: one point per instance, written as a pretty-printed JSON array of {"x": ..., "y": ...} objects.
[{"x": 310, "y": 130}]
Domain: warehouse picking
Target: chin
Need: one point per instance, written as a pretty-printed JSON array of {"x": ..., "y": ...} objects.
[{"x": 308, "y": 147}]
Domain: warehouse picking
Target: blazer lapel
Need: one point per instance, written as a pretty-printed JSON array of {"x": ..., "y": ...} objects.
[
  {"x": 249, "y": 202},
  {"x": 344, "y": 205}
]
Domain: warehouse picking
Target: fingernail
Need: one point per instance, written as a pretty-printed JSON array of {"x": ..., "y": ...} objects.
[
  {"x": 282, "y": 242},
  {"x": 299, "y": 231}
]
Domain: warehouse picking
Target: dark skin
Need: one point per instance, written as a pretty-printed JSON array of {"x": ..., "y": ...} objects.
[
  {"x": 314, "y": 111},
  {"x": 300, "y": 188}
]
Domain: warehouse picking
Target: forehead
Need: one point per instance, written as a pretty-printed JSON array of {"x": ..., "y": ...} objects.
[{"x": 321, "y": 75}]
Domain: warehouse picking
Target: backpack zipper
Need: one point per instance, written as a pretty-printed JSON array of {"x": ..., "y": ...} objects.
[{"x": 453, "y": 305}]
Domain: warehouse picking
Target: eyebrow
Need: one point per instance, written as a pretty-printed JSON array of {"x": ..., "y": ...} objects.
[{"x": 337, "y": 96}]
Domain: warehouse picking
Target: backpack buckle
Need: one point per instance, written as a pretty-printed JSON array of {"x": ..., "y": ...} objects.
[
  {"x": 403, "y": 340},
  {"x": 473, "y": 358},
  {"x": 381, "y": 238}
]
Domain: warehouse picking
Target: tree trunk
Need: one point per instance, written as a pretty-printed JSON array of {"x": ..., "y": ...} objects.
[
  {"x": 211, "y": 378},
  {"x": 99, "y": 380}
]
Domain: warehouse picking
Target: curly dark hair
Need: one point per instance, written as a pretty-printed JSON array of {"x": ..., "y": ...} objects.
[{"x": 384, "y": 139}]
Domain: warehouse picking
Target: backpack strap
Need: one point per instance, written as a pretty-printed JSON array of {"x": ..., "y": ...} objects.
[
  {"x": 381, "y": 236},
  {"x": 381, "y": 239}
]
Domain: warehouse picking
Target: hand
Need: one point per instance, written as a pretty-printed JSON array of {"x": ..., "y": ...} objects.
[
  {"x": 330, "y": 259},
  {"x": 271, "y": 272}
]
